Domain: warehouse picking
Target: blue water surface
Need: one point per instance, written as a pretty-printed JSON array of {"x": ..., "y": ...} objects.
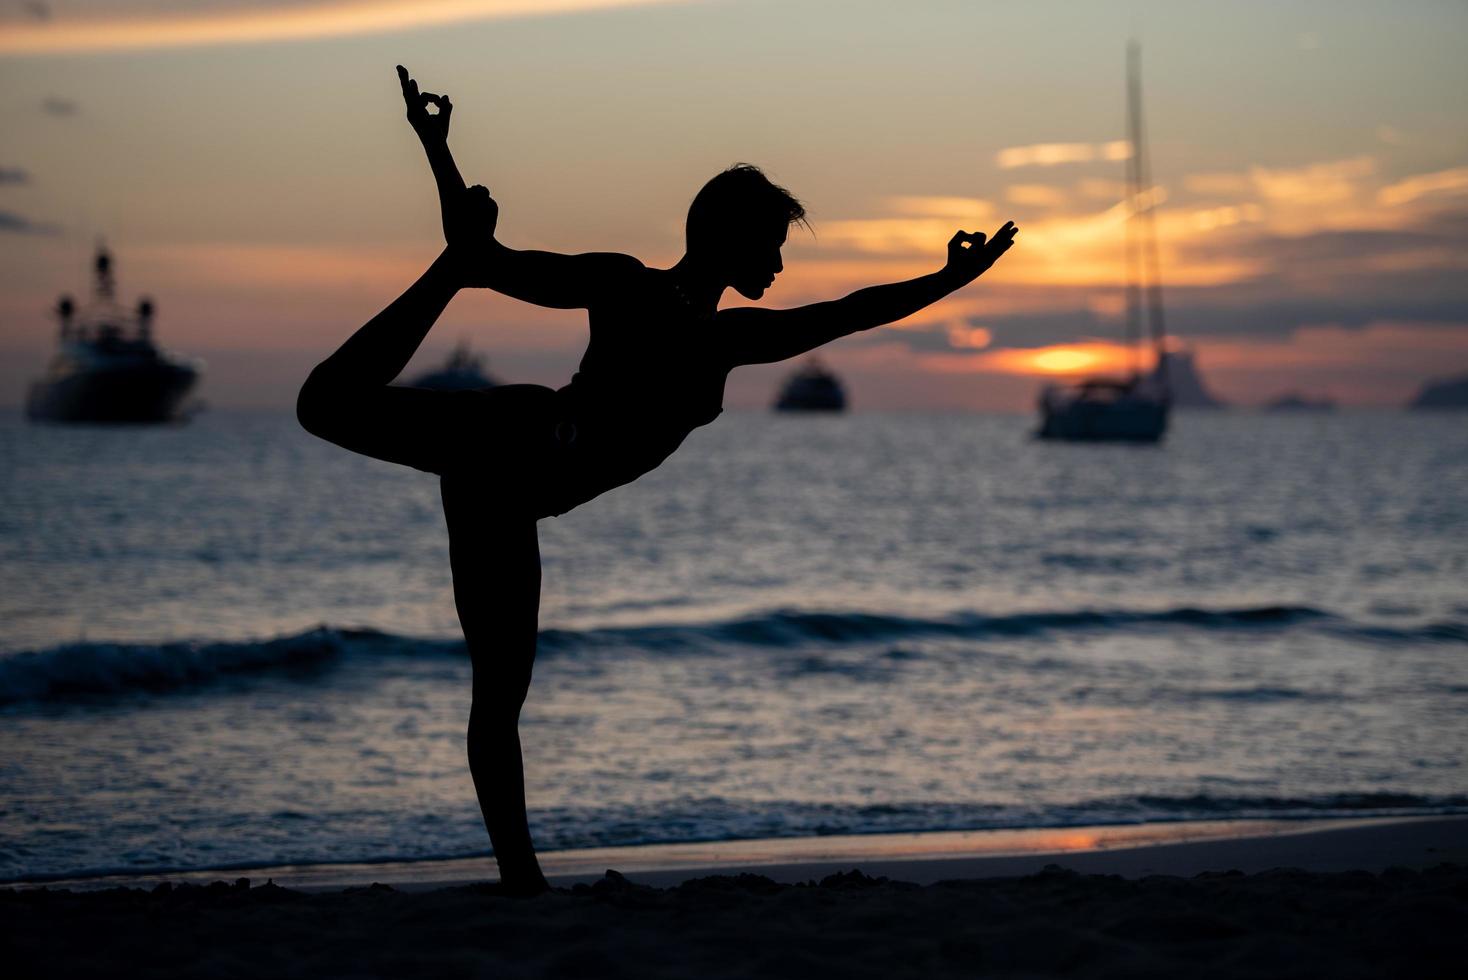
[{"x": 227, "y": 643}]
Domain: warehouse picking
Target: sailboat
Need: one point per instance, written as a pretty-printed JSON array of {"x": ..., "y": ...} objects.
[{"x": 1134, "y": 408}]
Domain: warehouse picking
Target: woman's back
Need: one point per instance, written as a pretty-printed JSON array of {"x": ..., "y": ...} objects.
[{"x": 653, "y": 369}]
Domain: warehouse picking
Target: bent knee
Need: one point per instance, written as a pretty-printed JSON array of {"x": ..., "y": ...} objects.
[{"x": 316, "y": 406}]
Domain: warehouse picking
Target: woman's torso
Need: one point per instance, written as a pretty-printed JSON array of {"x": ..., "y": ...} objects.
[{"x": 652, "y": 373}]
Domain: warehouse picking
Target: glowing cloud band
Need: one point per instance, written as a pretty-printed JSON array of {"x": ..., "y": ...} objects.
[{"x": 332, "y": 18}]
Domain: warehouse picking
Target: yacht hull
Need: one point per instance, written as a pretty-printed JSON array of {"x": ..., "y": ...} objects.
[{"x": 140, "y": 393}]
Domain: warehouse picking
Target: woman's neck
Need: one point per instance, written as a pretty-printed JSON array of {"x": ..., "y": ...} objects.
[{"x": 699, "y": 287}]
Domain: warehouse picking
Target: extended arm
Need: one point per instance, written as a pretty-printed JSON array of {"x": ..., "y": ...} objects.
[
  {"x": 758, "y": 336},
  {"x": 543, "y": 278}
]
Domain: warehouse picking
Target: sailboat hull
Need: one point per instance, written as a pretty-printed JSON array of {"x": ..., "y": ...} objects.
[{"x": 1131, "y": 420}]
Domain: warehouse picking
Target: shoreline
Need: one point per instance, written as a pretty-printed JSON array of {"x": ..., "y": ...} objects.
[
  {"x": 1183, "y": 848},
  {"x": 1376, "y": 898}
]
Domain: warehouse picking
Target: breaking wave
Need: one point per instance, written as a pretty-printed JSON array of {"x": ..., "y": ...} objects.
[{"x": 92, "y": 670}]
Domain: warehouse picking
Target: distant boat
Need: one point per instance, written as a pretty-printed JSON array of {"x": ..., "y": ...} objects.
[
  {"x": 463, "y": 370},
  {"x": 1444, "y": 393},
  {"x": 1295, "y": 402},
  {"x": 1102, "y": 410},
  {"x": 812, "y": 389},
  {"x": 1135, "y": 408},
  {"x": 108, "y": 369}
]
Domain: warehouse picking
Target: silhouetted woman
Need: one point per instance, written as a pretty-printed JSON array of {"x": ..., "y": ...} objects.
[{"x": 653, "y": 371}]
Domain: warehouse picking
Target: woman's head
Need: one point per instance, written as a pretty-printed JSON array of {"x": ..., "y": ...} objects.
[{"x": 737, "y": 224}]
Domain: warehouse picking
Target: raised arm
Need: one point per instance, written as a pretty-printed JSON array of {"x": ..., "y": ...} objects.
[
  {"x": 758, "y": 336},
  {"x": 433, "y": 133},
  {"x": 543, "y": 278}
]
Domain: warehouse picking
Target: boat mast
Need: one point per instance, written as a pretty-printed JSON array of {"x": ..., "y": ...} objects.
[
  {"x": 1134, "y": 203},
  {"x": 103, "y": 287},
  {"x": 1142, "y": 171}
]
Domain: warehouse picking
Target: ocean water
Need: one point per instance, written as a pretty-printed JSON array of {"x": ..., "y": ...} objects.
[{"x": 229, "y": 644}]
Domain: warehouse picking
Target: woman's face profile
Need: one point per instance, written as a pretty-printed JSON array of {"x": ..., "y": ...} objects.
[{"x": 755, "y": 262}]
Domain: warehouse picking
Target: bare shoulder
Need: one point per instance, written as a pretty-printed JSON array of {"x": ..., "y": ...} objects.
[
  {"x": 613, "y": 263},
  {"x": 617, "y": 274},
  {"x": 616, "y": 280}
]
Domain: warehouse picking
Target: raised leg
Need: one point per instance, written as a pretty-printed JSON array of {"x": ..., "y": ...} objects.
[{"x": 495, "y": 558}]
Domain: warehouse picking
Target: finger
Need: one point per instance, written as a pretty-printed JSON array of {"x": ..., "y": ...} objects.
[
  {"x": 441, "y": 102},
  {"x": 957, "y": 239},
  {"x": 410, "y": 87}
]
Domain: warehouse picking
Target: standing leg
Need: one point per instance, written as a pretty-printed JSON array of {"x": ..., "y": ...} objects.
[{"x": 495, "y": 557}]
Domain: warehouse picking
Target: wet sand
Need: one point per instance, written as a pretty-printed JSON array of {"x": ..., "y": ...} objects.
[{"x": 1168, "y": 909}]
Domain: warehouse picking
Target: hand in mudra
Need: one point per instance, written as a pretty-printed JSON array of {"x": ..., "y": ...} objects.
[
  {"x": 432, "y": 128},
  {"x": 969, "y": 255}
]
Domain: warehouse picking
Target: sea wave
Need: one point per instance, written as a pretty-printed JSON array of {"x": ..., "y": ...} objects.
[
  {"x": 787, "y": 627},
  {"x": 88, "y": 671},
  {"x": 91, "y": 670}
]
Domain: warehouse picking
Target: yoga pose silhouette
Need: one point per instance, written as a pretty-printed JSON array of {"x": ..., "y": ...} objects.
[{"x": 653, "y": 371}]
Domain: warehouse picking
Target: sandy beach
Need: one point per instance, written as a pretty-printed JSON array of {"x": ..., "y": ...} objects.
[{"x": 1361, "y": 899}]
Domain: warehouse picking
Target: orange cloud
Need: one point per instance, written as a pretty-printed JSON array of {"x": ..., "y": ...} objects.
[
  {"x": 1318, "y": 183},
  {"x": 1060, "y": 249},
  {"x": 1211, "y": 218},
  {"x": 1453, "y": 181},
  {"x": 1051, "y": 154},
  {"x": 1199, "y": 246},
  {"x": 958, "y": 208},
  {"x": 239, "y": 25},
  {"x": 962, "y": 335},
  {"x": 894, "y": 236}
]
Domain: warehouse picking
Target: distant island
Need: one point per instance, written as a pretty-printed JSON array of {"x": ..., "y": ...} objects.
[
  {"x": 1443, "y": 393},
  {"x": 1296, "y": 402},
  {"x": 1186, "y": 384}
]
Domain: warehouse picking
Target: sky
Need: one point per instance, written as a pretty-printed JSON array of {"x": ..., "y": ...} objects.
[{"x": 249, "y": 165}]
